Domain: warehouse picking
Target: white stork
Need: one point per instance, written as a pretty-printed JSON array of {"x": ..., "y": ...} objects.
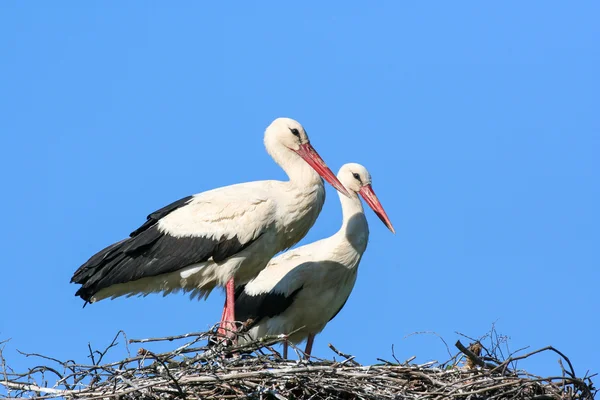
[
  {"x": 210, "y": 239},
  {"x": 305, "y": 288}
]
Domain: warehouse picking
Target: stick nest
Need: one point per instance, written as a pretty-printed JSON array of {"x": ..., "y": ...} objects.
[{"x": 257, "y": 371}]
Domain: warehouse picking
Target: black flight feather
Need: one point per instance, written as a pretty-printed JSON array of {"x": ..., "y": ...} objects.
[
  {"x": 150, "y": 252},
  {"x": 156, "y": 215},
  {"x": 263, "y": 305}
]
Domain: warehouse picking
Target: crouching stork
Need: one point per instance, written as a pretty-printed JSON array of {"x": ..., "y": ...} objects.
[{"x": 300, "y": 291}]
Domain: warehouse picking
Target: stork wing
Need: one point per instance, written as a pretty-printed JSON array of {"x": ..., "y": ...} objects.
[
  {"x": 216, "y": 224},
  {"x": 273, "y": 291},
  {"x": 277, "y": 286},
  {"x": 261, "y": 305}
]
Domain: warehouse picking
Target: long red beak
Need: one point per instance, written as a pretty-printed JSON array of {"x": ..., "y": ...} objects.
[
  {"x": 368, "y": 194},
  {"x": 310, "y": 155}
]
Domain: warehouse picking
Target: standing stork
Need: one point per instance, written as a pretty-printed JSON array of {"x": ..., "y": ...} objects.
[
  {"x": 210, "y": 239},
  {"x": 300, "y": 291}
]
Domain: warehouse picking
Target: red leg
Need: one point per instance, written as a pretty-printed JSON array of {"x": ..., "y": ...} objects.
[
  {"x": 309, "y": 345},
  {"x": 228, "y": 317},
  {"x": 230, "y": 301},
  {"x": 221, "y": 329}
]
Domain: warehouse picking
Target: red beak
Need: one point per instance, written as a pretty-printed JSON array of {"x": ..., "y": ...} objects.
[
  {"x": 368, "y": 194},
  {"x": 310, "y": 155}
]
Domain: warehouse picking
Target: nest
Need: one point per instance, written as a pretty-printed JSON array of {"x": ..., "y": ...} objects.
[{"x": 257, "y": 371}]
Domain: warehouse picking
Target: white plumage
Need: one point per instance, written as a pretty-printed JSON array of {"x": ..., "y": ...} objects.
[
  {"x": 208, "y": 239},
  {"x": 304, "y": 288},
  {"x": 246, "y": 212}
]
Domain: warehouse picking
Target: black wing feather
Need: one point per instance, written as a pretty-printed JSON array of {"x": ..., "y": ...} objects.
[
  {"x": 263, "y": 305},
  {"x": 156, "y": 215},
  {"x": 150, "y": 252}
]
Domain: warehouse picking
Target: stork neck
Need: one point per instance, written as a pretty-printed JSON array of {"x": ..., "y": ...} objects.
[
  {"x": 299, "y": 172},
  {"x": 354, "y": 233}
]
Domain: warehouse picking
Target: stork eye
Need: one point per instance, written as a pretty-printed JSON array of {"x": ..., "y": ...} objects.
[
  {"x": 356, "y": 176},
  {"x": 295, "y": 131}
]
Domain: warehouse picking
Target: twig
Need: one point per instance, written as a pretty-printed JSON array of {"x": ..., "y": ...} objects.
[
  {"x": 547, "y": 348},
  {"x": 170, "y": 338},
  {"x": 348, "y": 357},
  {"x": 166, "y": 369},
  {"x": 475, "y": 359}
]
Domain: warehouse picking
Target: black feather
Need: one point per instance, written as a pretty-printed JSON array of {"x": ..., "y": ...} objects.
[
  {"x": 156, "y": 215},
  {"x": 263, "y": 305},
  {"x": 150, "y": 252}
]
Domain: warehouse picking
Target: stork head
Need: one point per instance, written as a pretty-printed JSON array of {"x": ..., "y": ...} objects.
[
  {"x": 287, "y": 132},
  {"x": 286, "y": 138},
  {"x": 357, "y": 180}
]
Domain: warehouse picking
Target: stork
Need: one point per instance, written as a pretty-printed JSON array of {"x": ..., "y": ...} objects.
[
  {"x": 300, "y": 291},
  {"x": 213, "y": 238}
]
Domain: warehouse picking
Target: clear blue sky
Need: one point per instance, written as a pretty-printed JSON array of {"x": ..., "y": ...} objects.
[{"x": 478, "y": 121}]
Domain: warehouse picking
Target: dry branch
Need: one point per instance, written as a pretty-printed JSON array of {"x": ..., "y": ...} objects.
[{"x": 256, "y": 371}]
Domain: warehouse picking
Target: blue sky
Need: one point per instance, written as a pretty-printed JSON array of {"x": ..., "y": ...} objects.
[{"x": 478, "y": 121}]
